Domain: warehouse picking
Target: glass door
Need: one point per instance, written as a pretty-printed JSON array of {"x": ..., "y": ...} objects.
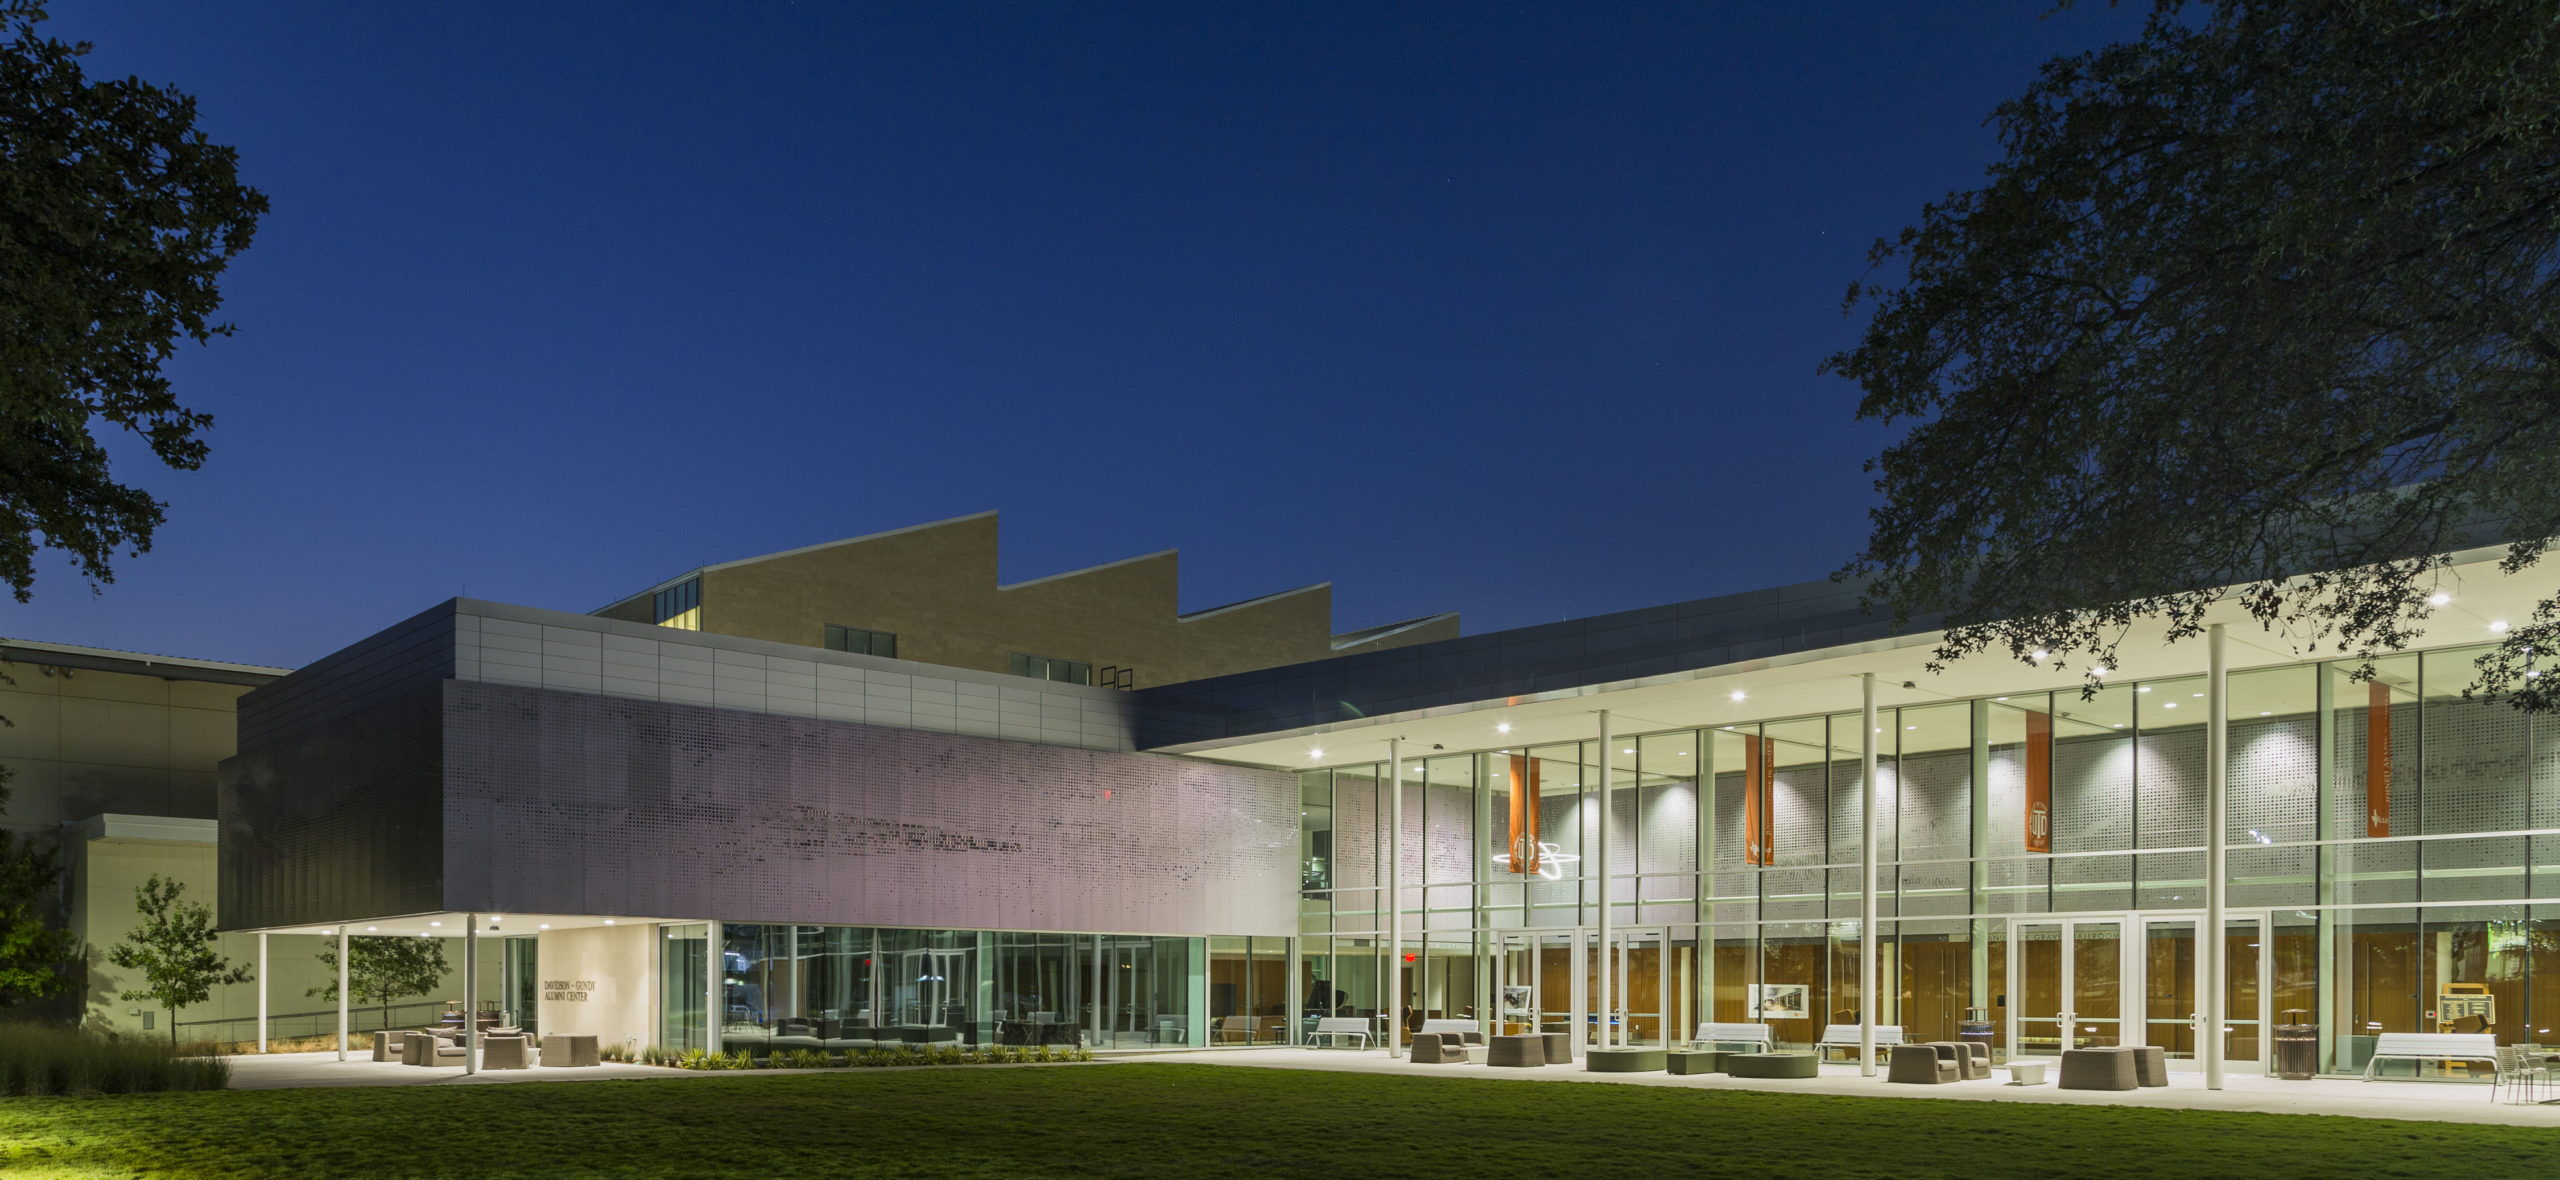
[
  {"x": 1517, "y": 985},
  {"x": 1560, "y": 992},
  {"x": 1633, "y": 1015},
  {"x": 2066, "y": 984},
  {"x": 2173, "y": 986}
]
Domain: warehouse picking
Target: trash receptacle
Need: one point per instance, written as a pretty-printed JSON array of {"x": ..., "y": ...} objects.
[
  {"x": 2297, "y": 1046},
  {"x": 1976, "y": 1026}
]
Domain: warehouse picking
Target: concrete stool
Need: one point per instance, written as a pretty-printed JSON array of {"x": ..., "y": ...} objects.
[
  {"x": 2097, "y": 1069},
  {"x": 2150, "y": 1065},
  {"x": 1693, "y": 1061},
  {"x": 1772, "y": 1065},
  {"x": 1517, "y": 1049},
  {"x": 1559, "y": 1048},
  {"x": 1622, "y": 1060}
]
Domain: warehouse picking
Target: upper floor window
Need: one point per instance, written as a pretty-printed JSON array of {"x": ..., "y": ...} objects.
[
  {"x": 680, "y": 606},
  {"x": 1045, "y": 668},
  {"x": 861, "y": 641}
]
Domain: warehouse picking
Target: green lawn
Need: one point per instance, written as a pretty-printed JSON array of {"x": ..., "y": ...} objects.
[{"x": 1194, "y": 1120}]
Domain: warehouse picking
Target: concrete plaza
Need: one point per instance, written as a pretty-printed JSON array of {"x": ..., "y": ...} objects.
[{"x": 2452, "y": 1102}]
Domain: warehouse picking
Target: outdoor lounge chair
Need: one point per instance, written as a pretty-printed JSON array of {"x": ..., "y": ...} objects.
[
  {"x": 387, "y": 1044},
  {"x": 1973, "y": 1060},
  {"x": 1923, "y": 1065},
  {"x": 503, "y": 1053},
  {"x": 1429, "y": 1049}
]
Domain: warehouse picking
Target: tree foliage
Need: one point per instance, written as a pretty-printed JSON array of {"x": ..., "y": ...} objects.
[
  {"x": 2263, "y": 300},
  {"x": 116, "y": 218},
  {"x": 173, "y": 948},
  {"x": 381, "y": 969},
  {"x": 37, "y": 957}
]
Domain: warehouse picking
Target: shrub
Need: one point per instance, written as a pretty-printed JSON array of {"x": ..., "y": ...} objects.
[{"x": 39, "y": 1060}]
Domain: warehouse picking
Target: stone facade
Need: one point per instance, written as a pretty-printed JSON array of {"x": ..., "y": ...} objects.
[{"x": 934, "y": 587}]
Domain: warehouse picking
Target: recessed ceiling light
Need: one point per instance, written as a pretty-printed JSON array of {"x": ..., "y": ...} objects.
[
  {"x": 2169, "y": 705},
  {"x": 1505, "y": 727},
  {"x": 608, "y": 921},
  {"x": 2439, "y": 598},
  {"x": 2195, "y": 694},
  {"x": 1999, "y": 698},
  {"x": 435, "y": 923},
  {"x": 546, "y": 925},
  {"x": 1315, "y": 753},
  {"x": 2119, "y": 725},
  {"x": 1737, "y": 694},
  {"x": 1911, "y": 727},
  {"x": 1629, "y": 750},
  {"x": 2037, "y": 654},
  {"x": 2266, "y": 712},
  {"x": 2144, "y": 688},
  {"x": 2500, "y": 626},
  {"x": 369, "y": 928}
]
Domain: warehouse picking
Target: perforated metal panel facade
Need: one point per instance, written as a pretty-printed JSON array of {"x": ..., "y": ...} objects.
[{"x": 462, "y": 795}]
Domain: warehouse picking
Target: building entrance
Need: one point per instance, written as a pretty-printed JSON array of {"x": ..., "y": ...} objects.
[
  {"x": 2133, "y": 979},
  {"x": 1537, "y": 988}
]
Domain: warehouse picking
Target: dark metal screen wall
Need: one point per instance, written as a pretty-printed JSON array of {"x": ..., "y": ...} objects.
[{"x": 340, "y": 820}]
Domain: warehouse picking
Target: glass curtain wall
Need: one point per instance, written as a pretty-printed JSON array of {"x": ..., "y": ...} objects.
[
  {"x": 840, "y": 988},
  {"x": 2384, "y": 835}
]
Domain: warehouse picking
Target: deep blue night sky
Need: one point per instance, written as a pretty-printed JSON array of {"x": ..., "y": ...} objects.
[{"x": 1511, "y": 312}]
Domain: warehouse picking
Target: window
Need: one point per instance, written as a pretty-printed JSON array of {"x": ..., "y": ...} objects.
[
  {"x": 680, "y": 606},
  {"x": 862, "y": 642},
  {"x": 1045, "y": 668}
]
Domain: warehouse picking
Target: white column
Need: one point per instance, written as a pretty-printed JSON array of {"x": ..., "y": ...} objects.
[
  {"x": 342, "y": 993},
  {"x": 799, "y": 1009},
  {"x": 1608, "y": 998},
  {"x": 1867, "y": 878},
  {"x": 262, "y": 991},
  {"x": 2217, "y": 745},
  {"x": 1393, "y": 896},
  {"x": 715, "y": 966},
  {"x": 470, "y": 993}
]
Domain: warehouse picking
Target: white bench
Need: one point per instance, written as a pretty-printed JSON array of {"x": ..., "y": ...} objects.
[
  {"x": 1339, "y": 1027},
  {"x": 1449, "y": 1026},
  {"x": 1845, "y": 1036},
  {"x": 2434, "y": 1047},
  {"x": 1737, "y": 1034}
]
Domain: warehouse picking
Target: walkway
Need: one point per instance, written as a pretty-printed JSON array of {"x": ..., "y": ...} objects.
[
  {"x": 2423, "y": 1101},
  {"x": 284, "y": 1071},
  {"x": 2449, "y": 1102}
]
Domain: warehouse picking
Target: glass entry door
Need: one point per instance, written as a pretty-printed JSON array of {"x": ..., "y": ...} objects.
[
  {"x": 2066, "y": 984},
  {"x": 1634, "y": 1014},
  {"x": 1535, "y": 978},
  {"x": 2173, "y": 986}
]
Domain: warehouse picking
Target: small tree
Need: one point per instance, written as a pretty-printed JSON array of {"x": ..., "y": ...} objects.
[
  {"x": 382, "y": 969},
  {"x": 33, "y": 954},
  {"x": 173, "y": 948}
]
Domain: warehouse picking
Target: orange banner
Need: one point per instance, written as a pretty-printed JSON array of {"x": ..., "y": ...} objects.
[
  {"x": 1758, "y": 754},
  {"x": 1524, "y": 814},
  {"x": 2377, "y": 759},
  {"x": 2039, "y": 782}
]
